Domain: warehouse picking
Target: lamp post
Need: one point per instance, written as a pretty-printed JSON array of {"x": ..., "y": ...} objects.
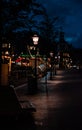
[
  {"x": 35, "y": 41},
  {"x": 51, "y": 60}
]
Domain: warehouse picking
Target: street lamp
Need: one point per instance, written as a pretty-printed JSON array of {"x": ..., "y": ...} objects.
[
  {"x": 51, "y": 60},
  {"x": 35, "y": 41}
]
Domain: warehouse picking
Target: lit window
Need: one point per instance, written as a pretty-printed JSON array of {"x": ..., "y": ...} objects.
[{"x": 4, "y": 45}]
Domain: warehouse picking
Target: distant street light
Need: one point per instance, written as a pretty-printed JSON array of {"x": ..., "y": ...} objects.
[
  {"x": 35, "y": 41},
  {"x": 51, "y": 60}
]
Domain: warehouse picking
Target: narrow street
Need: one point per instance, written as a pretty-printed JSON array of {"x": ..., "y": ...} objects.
[{"x": 60, "y": 107}]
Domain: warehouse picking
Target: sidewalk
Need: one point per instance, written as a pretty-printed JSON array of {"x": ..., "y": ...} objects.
[
  {"x": 38, "y": 99},
  {"x": 59, "y": 107}
]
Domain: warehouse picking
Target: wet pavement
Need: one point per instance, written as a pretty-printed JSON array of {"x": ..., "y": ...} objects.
[{"x": 60, "y": 107}]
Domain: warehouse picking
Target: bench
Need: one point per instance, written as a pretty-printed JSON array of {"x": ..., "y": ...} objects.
[{"x": 11, "y": 109}]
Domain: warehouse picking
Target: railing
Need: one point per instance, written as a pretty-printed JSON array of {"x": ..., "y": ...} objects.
[{"x": 21, "y": 75}]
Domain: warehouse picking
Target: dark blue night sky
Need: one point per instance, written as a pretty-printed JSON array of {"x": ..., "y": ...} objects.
[{"x": 71, "y": 12}]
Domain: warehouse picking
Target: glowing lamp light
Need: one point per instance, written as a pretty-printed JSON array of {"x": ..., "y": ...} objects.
[
  {"x": 51, "y": 54},
  {"x": 35, "y": 39}
]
